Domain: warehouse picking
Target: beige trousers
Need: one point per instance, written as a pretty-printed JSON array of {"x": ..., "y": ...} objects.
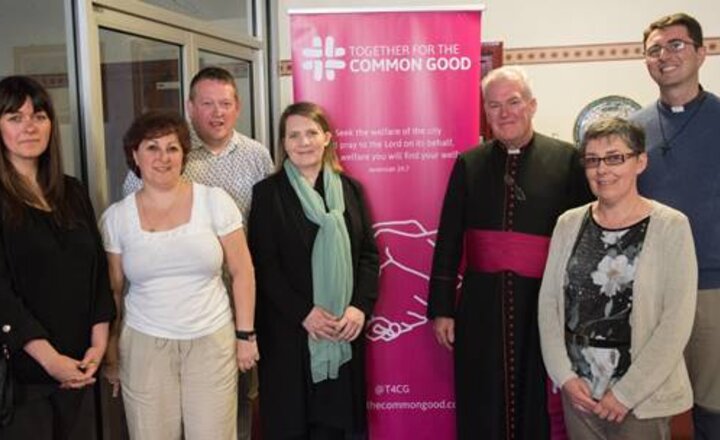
[
  {"x": 176, "y": 387},
  {"x": 702, "y": 353},
  {"x": 582, "y": 426}
]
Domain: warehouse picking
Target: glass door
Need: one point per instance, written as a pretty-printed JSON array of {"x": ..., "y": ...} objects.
[
  {"x": 148, "y": 64},
  {"x": 138, "y": 74}
]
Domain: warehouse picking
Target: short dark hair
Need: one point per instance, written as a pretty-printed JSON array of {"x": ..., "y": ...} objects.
[
  {"x": 151, "y": 125},
  {"x": 630, "y": 133},
  {"x": 213, "y": 73},
  {"x": 693, "y": 27},
  {"x": 316, "y": 114}
]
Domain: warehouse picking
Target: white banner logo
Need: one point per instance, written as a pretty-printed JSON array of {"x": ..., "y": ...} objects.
[{"x": 323, "y": 60}]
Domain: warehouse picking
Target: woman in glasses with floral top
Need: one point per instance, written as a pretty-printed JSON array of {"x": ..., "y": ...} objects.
[{"x": 617, "y": 300}]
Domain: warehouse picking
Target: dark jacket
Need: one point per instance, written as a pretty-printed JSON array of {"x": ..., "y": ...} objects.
[
  {"x": 281, "y": 240},
  {"x": 54, "y": 283}
]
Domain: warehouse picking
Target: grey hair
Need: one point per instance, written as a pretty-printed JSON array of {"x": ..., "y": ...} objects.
[{"x": 509, "y": 73}]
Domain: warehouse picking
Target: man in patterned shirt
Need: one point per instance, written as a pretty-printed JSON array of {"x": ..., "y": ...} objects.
[{"x": 222, "y": 157}]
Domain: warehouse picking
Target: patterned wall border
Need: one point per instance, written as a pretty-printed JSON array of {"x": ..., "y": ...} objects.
[
  {"x": 585, "y": 53},
  {"x": 564, "y": 54}
]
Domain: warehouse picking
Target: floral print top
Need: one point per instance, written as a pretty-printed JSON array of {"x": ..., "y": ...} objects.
[{"x": 598, "y": 301}]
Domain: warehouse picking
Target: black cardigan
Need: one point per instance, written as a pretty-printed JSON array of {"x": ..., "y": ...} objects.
[
  {"x": 54, "y": 283},
  {"x": 281, "y": 240}
]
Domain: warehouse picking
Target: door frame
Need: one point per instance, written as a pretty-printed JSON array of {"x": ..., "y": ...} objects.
[{"x": 92, "y": 16}]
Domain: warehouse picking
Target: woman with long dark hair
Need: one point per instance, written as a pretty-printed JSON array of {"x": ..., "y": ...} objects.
[{"x": 55, "y": 300}]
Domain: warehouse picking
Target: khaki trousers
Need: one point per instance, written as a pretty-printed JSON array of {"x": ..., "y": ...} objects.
[
  {"x": 176, "y": 387},
  {"x": 582, "y": 426},
  {"x": 702, "y": 353}
]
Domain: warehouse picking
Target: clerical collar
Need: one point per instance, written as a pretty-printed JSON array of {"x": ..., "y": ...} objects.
[
  {"x": 695, "y": 105},
  {"x": 515, "y": 150},
  {"x": 687, "y": 106}
]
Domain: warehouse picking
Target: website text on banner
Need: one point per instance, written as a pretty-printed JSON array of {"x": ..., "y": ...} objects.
[{"x": 403, "y": 89}]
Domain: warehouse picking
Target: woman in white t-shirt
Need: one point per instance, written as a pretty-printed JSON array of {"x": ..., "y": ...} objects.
[{"x": 177, "y": 351}]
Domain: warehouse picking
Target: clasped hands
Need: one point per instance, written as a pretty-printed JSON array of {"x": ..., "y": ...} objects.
[
  {"x": 321, "y": 324},
  {"x": 608, "y": 408},
  {"x": 73, "y": 373}
]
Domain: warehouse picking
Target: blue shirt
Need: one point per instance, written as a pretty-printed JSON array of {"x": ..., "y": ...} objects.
[{"x": 684, "y": 171}]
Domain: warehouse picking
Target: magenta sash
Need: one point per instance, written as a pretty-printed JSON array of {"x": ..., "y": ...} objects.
[{"x": 497, "y": 251}]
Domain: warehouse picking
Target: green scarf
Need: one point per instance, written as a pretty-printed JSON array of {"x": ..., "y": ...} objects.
[{"x": 332, "y": 273}]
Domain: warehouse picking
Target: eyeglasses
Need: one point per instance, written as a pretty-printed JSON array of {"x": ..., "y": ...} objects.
[
  {"x": 611, "y": 160},
  {"x": 673, "y": 46}
]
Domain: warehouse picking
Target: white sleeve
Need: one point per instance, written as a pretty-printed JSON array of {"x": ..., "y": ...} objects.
[
  {"x": 110, "y": 229},
  {"x": 224, "y": 213}
]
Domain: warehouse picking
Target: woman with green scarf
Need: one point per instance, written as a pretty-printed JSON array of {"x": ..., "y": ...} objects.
[{"x": 317, "y": 281}]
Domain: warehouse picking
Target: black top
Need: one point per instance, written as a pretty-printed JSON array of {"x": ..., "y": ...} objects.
[
  {"x": 281, "y": 238},
  {"x": 53, "y": 283},
  {"x": 599, "y": 299},
  {"x": 499, "y": 374},
  {"x": 492, "y": 190}
]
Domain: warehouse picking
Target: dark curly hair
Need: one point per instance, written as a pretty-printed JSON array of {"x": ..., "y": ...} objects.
[{"x": 151, "y": 125}]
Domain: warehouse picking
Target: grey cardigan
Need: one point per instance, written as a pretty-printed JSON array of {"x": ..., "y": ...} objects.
[{"x": 664, "y": 294}]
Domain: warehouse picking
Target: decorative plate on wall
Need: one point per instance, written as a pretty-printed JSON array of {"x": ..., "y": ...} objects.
[{"x": 604, "y": 107}]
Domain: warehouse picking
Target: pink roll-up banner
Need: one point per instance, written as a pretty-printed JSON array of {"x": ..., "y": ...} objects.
[{"x": 402, "y": 88}]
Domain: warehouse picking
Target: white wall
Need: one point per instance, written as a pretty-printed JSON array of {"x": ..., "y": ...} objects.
[{"x": 564, "y": 89}]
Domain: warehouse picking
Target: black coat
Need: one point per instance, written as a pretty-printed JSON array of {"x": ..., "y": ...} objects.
[
  {"x": 54, "y": 283},
  {"x": 281, "y": 240},
  {"x": 499, "y": 372}
]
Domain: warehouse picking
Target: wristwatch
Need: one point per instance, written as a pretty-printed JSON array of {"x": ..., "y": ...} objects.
[{"x": 245, "y": 335}]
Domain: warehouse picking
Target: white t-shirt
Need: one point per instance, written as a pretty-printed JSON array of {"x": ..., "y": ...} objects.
[{"x": 176, "y": 289}]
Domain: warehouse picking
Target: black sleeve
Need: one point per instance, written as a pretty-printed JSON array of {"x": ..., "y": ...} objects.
[
  {"x": 103, "y": 303},
  {"x": 264, "y": 242},
  {"x": 22, "y": 325},
  {"x": 448, "y": 246},
  {"x": 368, "y": 267}
]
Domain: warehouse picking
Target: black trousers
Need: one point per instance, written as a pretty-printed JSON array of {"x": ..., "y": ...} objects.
[
  {"x": 324, "y": 432},
  {"x": 45, "y": 412},
  {"x": 706, "y": 423}
]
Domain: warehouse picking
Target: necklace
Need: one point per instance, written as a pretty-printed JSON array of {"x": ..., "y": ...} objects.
[{"x": 667, "y": 143}]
